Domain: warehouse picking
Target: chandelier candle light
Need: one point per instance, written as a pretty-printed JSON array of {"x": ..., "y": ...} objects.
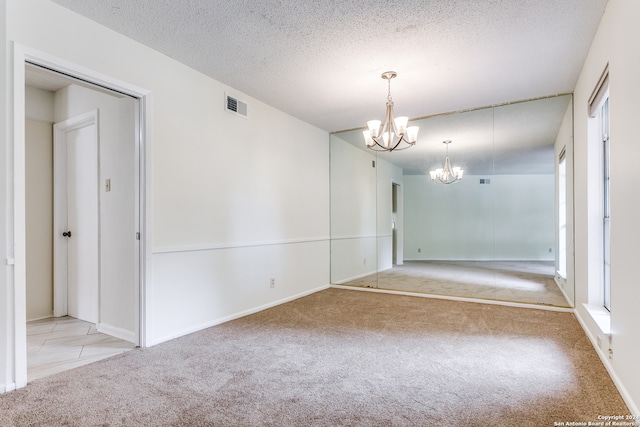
[
  {"x": 447, "y": 174},
  {"x": 394, "y": 131}
]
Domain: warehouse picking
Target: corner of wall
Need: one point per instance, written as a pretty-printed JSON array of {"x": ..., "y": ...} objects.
[
  {"x": 6, "y": 366},
  {"x": 588, "y": 325}
]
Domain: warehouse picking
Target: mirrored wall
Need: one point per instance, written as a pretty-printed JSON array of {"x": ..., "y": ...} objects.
[{"x": 491, "y": 235}]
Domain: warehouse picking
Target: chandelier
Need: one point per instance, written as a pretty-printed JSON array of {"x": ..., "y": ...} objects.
[
  {"x": 446, "y": 174},
  {"x": 394, "y": 131}
]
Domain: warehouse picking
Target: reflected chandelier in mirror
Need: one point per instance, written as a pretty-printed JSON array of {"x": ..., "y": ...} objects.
[{"x": 447, "y": 174}]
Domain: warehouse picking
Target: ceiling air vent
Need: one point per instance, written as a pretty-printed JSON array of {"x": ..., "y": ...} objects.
[{"x": 235, "y": 106}]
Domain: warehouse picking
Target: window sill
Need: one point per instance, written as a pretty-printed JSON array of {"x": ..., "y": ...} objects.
[{"x": 601, "y": 317}]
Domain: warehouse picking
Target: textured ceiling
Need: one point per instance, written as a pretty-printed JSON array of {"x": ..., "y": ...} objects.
[{"x": 321, "y": 60}]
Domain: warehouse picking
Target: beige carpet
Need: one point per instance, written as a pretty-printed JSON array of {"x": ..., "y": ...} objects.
[
  {"x": 341, "y": 358},
  {"x": 529, "y": 282}
]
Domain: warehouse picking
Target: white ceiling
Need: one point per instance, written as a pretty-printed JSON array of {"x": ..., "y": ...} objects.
[{"x": 321, "y": 60}]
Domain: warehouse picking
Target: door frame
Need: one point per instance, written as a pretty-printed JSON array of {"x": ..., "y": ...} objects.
[
  {"x": 22, "y": 55},
  {"x": 60, "y": 257},
  {"x": 399, "y": 230},
  {"x": 395, "y": 189}
]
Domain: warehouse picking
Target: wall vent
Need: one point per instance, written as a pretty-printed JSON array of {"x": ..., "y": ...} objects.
[
  {"x": 485, "y": 181},
  {"x": 235, "y": 106}
]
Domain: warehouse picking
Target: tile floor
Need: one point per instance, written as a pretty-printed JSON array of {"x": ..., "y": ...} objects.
[{"x": 61, "y": 343}]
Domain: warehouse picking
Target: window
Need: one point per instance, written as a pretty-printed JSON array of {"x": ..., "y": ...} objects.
[
  {"x": 606, "y": 204},
  {"x": 599, "y": 113}
]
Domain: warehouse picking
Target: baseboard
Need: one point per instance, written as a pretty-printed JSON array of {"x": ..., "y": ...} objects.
[
  {"x": 41, "y": 318},
  {"x": 116, "y": 332},
  {"x": 360, "y": 276},
  {"x": 6, "y": 388},
  {"x": 566, "y": 297},
  {"x": 237, "y": 315},
  {"x": 633, "y": 408},
  {"x": 479, "y": 260}
]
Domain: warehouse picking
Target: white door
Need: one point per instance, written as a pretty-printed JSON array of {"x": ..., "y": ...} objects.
[{"x": 76, "y": 214}]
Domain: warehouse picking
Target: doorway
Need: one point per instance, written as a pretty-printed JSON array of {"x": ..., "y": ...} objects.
[
  {"x": 136, "y": 230},
  {"x": 394, "y": 223},
  {"x": 94, "y": 261},
  {"x": 76, "y": 212},
  {"x": 95, "y": 226}
]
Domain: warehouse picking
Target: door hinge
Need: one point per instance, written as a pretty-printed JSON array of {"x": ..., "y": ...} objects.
[{"x": 138, "y": 235}]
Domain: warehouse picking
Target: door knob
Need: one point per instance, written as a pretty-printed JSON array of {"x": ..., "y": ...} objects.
[{"x": 67, "y": 234}]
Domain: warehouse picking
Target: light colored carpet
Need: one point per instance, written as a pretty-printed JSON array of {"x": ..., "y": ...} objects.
[
  {"x": 529, "y": 282},
  {"x": 341, "y": 358}
]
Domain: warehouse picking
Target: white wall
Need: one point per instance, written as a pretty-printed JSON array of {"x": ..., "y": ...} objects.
[
  {"x": 39, "y": 201},
  {"x": 512, "y": 218},
  {"x": 7, "y": 363},
  {"x": 227, "y": 192},
  {"x": 39, "y": 217},
  {"x": 39, "y": 104},
  {"x": 616, "y": 44}
]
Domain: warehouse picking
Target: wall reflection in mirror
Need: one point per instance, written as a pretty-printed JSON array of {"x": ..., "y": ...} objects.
[{"x": 491, "y": 235}]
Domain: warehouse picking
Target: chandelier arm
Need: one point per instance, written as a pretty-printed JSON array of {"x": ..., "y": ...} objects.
[
  {"x": 385, "y": 128},
  {"x": 383, "y": 148},
  {"x": 398, "y": 143},
  {"x": 390, "y": 118},
  {"x": 374, "y": 148},
  {"x": 385, "y": 125},
  {"x": 388, "y": 122},
  {"x": 447, "y": 166},
  {"x": 404, "y": 148}
]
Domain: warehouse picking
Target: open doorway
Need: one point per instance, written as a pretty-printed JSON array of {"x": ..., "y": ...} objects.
[
  {"x": 394, "y": 222},
  {"x": 81, "y": 221}
]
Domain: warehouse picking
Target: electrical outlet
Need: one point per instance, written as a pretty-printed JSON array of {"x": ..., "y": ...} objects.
[
  {"x": 272, "y": 282},
  {"x": 107, "y": 185},
  {"x": 419, "y": 250},
  {"x": 610, "y": 353}
]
